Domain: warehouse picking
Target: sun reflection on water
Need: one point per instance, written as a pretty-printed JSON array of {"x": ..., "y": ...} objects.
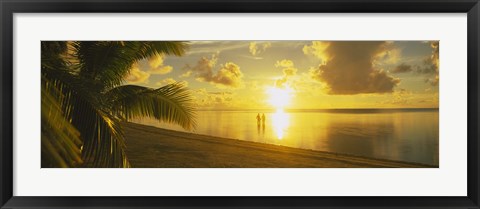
[{"x": 280, "y": 121}]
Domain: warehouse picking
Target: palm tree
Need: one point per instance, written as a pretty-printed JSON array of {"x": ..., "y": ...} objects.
[{"x": 84, "y": 100}]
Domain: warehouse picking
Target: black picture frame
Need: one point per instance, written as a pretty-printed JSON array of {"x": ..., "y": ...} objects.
[{"x": 10, "y": 7}]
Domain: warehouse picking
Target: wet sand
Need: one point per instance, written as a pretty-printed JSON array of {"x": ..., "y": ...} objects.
[{"x": 151, "y": 147}]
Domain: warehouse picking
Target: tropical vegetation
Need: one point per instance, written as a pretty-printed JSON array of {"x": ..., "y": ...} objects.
[{"x": 85, "y": 100}]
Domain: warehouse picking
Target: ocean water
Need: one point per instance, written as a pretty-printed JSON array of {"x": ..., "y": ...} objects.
[{"x": 410, "y": 135}]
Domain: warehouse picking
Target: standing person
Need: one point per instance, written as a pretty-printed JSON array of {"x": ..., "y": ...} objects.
[
  {"x": 258, "y": 119},
  {"x": 263, "y": 119}
]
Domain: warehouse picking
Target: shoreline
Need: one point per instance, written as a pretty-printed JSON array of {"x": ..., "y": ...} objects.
[{"x": 152, "y": 147}]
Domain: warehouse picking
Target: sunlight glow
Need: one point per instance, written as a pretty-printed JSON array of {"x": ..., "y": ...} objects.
[
  {"x": 280, "y": 121},
  {"x": 279, "y": 97}
]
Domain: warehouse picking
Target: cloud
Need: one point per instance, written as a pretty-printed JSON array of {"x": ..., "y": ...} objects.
[
  {"x": 202, "y": 47},
  {"x": 251, "y": 57},
  {"x": 348, "y": 67},
  {"x": 434, "y": 58},
  {"x": 399, "y": 97},
  {"x": 288, "y": 70},
  {"x": 228, "y": 75},
  {"x": 228, "y": 100},
  {"x": 318, "y": 49},
  {"x": 389, "y": 55},
  {"x": 186, "y": 74},
  {"x": 137, "y": 76},
  {"x": 167, "y": 81},
  {"x": 284, "y": 63},
  {"x": 280, "y": 83},
  {"x": 156, "y": 65},
  {"x": 402, "y": 68},
  {"x": 156, "y": 61},
  {"x": 256, "y": 48},
  {"x": 162, "y": 70},
  {"x": 432, "y": 81},
  {"x": 203, "y": 99},
  {"x": 305, "y": 84},
  {"x": 142, "y": 69},
  {"x": 408, "y": 98},
  {"x": 203, "y": 68},
  {"x": 431, "y": 64}
]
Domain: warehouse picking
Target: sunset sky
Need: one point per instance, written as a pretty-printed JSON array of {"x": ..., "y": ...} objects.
[{"x": 300, "y": 74}]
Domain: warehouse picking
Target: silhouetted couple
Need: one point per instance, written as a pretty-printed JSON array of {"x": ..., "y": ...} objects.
[{"x": 261, "y": 119}]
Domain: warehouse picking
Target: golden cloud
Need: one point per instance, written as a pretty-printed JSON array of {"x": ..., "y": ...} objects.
[
  {"x": 429, "y": 67},
  {"x": 288, "y": 70},
  {"x": 186, "y": 74},
  {"x": 228, "y": 76},
  {"x": 432, "y": 63},
  {"x": 284, "y": 63},
  {"x": 348, "y": 67},
  {"x": 161, "y": 70},
  {"x": 167, "y": 81},
  {"x": 257, "y": 48},
  {"x": 157, "y": 66},
  {"x": 318, "y": 49},
  {"x": 137, "y": 76},
  {"x": 402, "y": 68},
  {"x": 156, "y": 61},
  {"x": 203, "y": 99}
]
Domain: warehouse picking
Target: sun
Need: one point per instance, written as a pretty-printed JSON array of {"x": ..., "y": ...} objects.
[{"x": 279, "y": 97}]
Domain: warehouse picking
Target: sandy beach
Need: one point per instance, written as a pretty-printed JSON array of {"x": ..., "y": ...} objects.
[{"x": 151, "y": 147}]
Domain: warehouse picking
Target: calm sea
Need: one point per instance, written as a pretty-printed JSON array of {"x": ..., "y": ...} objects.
[{"x": 398, "y": 134}]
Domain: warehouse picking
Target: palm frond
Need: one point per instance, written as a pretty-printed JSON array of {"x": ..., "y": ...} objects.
[
  {"x": 103, "y": 140},
  {"x": 100, "y": 132},
  {"x": 52, "y": 54},
  {"x": 60, "y": 140},
  {"x": 82, "y": 105},
  {"x": 171, "y": 103},
  {"x": 110, "y": 61}
]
